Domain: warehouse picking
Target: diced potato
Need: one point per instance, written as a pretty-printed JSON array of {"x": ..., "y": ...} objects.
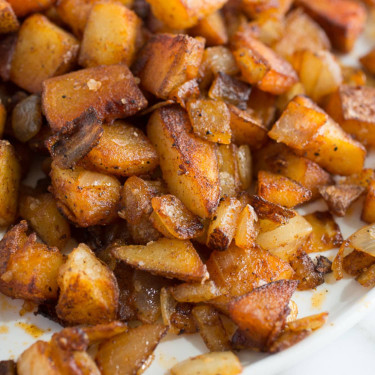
[
  {"x": 3, "y": 118},
  {"x": 312, "y": 322},
  {"x": 301, "y": 32},
  {"x": 250, "y": 266},
  {"x": 184, "y": 92},
  {"x": 223, "y": 363},
  {"x": 319, "y": 72},
  {"x": 368, "y": 211},
  {"x": 245, "y": 168},
  {"x": 189, "y": 164},
  {"x": 110, "y": 35},
  {"x": 88, "y": 289},
  {"x": 210, "y": 120},
  {"x": 44, "y": 217},
  {"x": 356, "y": 262},
  {"x": 281, "y": 190},
  {"x": 265, "y": 8},
  {"x": 34, "y": 61},
  {"x": 309, "y": 131},
  {"x": 262, "y": 105},
  {"x": 195, "y": 292},
  {"x": 353, "y": 76},
  {"x": 181, "y": 14},
  {"x": 212, "y": 28},
  {"x": 288, "y": 339},
  {"x": 8, "y": 20},
  {"x": 351, "y": 107},
  {"x": 368, "y": 61},
  {"x": 128, "y": 352},
  {"x": 367, "y": 277},
  {"x": 7, "y": 47},
  {"x": 342, "y": 20},
  {"x": 325, "y": 233},
  {"x": 10, "y": 172},
  {"x": 268, "y": 29},
  {"x": 224, "y": 224},
  {"x": 110, "y": 90},
  {"x": 182, "y": 319},
  {"x": 211, "y": 328},
  {"x": 260, "y": 65},
  {"x": 247, "y": 228},
  {"x": 84, "y": 197},
  {"x": 363, "y": 178},
  {"x": 168, "y": 307},
  {"x": 262, "y": 312},
  {"x": 167, "y": 61},
  {"x": 24, "y": 7},
  {"x": 175, "y": 220},
  {"x": 165, "y": 257}
]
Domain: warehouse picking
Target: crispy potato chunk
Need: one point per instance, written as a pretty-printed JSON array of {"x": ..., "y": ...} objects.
[
  {"x": 281, "y": 190},
  {"x": 195, "y": 292},
  {"x": 368, "y": 211},
  {"x": 34, "y": 61},
  {"x": 166, "y": 257},
  {"x": 247, "y": 228},
  {"x": 110, "y": 35},
  {"x": 363, "y": 178},
  {"x": 309, "y": 131},
  {"x": 223, "y": 363},
  {"x": 88, "y": 289},
  {"x": 173, "y": 219},
  {"x": 265, "y": 8},
  {"x": 357, "y": 261},
  {"x": 167, "y": 61},
  {"x": 128, "y": 352},
  {"x": 312, "y": 322},
  {"x": 24, "y": 7},
  {"x": 260, "y": 65},
  {"x": 110, "y": 90},
  {"x": 229, "y": 176},
  {"x": 262, "y": 312},
  {"x": 288, "y": 339},
  {"x": 210, "y": 120},
  {"x": 342, "y": 20},
  {"x": 84, "y": 197},
  {"x": 28, "y": 269},
  {"x": 181, "y": 14},
  {"x": 245, "y": 166},
  {"x": 367, "y": 277},
  {"x": 368, "y": 61},
  {"x": 10, "y": 172},
  {"x": 8, "y": 20},
  {"x": 189, "y": 164}
]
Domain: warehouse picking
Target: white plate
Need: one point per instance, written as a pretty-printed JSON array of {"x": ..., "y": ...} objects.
[{"x": 346, "y": 301}]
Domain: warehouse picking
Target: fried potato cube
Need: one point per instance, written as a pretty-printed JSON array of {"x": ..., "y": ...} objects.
[
  {"x": 173, "y": 219},
  {"x": 281, "y": 190},
  {"x": 247, "y": 228},
  {"x": 181, "y": 14},
  {"x": 223, "y": 363},
  {"x": 353, "y": 76},
  {"x": 24, "y": 7},
  {"x": 288, "y": 339},
  {"x": 41, "y": 211},
  {"x": 166, "y": 257},
  {"x": 367, "y": 277},
  {"x": 265, "y": 8},
  {"x": 245, "y": 166},
  {"x": 256, "y": 264},
  {"x": 128, "y": 352},
  {"x": 210, "y": 120},
  {"x": 319, "y": 72},
  {"x": 188, "y": 163},
  {"x": 195, "y": 292},
  {"x": 229, "y": 177},
  {"x": 352, "y": 107},
  {"x": 110, "y": 35},
  {"x": 167, "y": 61},
  {"x": 260, "y": 65},
  {"x": 8, "y": 20},
  {"x": 326, "y": 233},
  {"x": 84, "y": 197},
  {"x": 301, "y": 32},
  {"x": 29, "y": 269},
  {"x": 262, "y": 312},
  {"x": 342, "y": 20},
  {"x": 368, "y": 210},
  {"x": 356, "y": 262},
  {"x": 368, "y": 61},
  {"x": 10, "y": 172},
  {"x": 88, "y": 289},
  {"x": 310, "y": 132},
  {"x": 110, "y": 90},
  {"x": 34, "y": 61}
]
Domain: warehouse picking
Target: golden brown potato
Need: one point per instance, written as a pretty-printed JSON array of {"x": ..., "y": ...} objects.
[
  {"x": 368, "y": 211},
  {"x": 10, "y": 172},
  {"x": 281, "y": 190},
  {"x": 84, "y": 197},
  {"x": 29, "y": 269},
  {"x": 247, "y": 228},
  {"x": 8, "y": 20},
  {"x": 353, "y": 76},
  {"x": 319, "y": 138},
  {"x": 88, "y": 289},
  {"x": 367, "y": 277},
  {"x": 110, "y": 35},
  {"x": 24, "y": 7},
  {"x": 189, "y": 164},
  {"x": 195, "y": 292},
  {"x": 342, "y": 20},
  {"x": 265, "y": 8},
  {"x": 34, "y": 61},
  {"x": 363, "y": 178},
  {"x": 260, "y": 65},
  {"x": 41, "y": 211},
  {"x": 173, "y": 219},
  {"x": 356, "y": 262},
  {"x": 184, "y": 92},
  {"x": 288, "y": 339},
  {"x": 368, "y": 61},
  {"x": 181, "y": 14},
  {"x": 166, "y": 257},
  {"x": 245, "y": 166},
  {"x": 167, "y": 61},
  {"x": 262, "y": 312},
  {"x": 3, "y": 118},
  {"x": 312, "y": 322},
  {"x": 110, "y": 90},
  {"x": 210, "y": 120}
]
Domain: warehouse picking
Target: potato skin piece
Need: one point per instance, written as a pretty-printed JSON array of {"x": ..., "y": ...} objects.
[
  {"x": 8, "y": 20},
  {"x": 110, "y": 90},
  {"x": 189, "y": 164}
]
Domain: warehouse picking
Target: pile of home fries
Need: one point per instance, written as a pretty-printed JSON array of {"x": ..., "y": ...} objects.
[{"x": 174, "y": 140}]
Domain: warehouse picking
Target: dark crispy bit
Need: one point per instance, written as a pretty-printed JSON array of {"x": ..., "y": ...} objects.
[
  {"x": 355, "y": 262},
  {"x": 8, "y": 368},
  {"x": 323, "y": 265},
  {"x": 367, "y": 277}
]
